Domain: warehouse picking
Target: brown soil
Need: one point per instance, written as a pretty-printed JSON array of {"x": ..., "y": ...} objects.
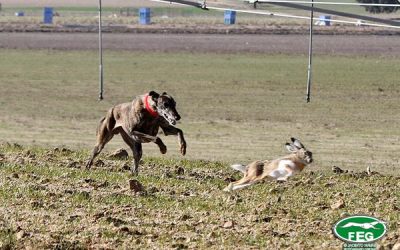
[{"x": 216, "y": 43}]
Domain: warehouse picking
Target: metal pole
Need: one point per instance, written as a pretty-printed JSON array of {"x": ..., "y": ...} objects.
[
  {"x": 310, "y": 53},
  {"x": 100, "y": 56}
]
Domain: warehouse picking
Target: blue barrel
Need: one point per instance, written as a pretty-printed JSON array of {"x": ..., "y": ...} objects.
[
  {"x": 48, "y": 15},
  {"x": 19, "y": 13},
  {"x": 229, "y": 17},
  {"x": 144, "y": 16},
  {"x": 326, "y": 20}
]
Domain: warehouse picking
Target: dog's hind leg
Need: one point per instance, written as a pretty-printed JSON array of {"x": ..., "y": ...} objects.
[
  {"x": 96, "y": 151},
  {"x": 98, "y": 148},
  {"x": 104, "y": 135}
]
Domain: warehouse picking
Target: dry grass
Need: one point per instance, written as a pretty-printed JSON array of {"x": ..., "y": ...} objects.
[
  {"x": 46, "y": 202},
  {"x": 244, "y": 110}
]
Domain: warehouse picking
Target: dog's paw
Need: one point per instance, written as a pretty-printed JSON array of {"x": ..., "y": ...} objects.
[
  {"x": 87, "y": 166},
  {"x": 163, "y": 149},
  {"x": 161, "y": 145},
  {"x": 183, "y": 148},
  {"x": 135, "y": 172}
]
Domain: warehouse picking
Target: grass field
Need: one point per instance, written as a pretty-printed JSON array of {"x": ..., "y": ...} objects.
[
  {"x": 245, "y": 110},
  {"x": 234, "y": 108}
]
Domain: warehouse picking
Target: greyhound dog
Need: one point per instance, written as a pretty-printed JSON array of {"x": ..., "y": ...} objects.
[
  {"x": 279, "y": 169},
  {"x": 139, "y": 122}
]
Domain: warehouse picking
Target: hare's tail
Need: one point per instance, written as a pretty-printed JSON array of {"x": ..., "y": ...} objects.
[{"x": 239, "y": 167}]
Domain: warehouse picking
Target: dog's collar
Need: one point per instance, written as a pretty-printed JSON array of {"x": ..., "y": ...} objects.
[{"x": 149, "y": 109}]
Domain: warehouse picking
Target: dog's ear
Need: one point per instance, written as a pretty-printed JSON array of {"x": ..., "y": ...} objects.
[
  {"x": 154, "y": 95},
  {"x": 164, "y": 93}
]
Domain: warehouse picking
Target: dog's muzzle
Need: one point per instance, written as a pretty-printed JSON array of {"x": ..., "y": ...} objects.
[{"x": 169, "y": 117}]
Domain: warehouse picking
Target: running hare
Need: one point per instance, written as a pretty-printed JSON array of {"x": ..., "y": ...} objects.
[{"x": 279, "y": 169}]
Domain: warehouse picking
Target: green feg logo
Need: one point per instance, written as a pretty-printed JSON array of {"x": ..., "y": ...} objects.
[{"x": 359, "y": 229}]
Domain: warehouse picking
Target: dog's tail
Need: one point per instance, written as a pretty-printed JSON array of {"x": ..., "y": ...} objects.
[
  {"x": 110, "y": 119},
  {"x": 99, "y": 125},
  {"x": 239, "y": 167},
  {"x": 107, "y": 122}
]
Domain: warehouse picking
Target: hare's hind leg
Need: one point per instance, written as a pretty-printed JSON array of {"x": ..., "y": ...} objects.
[
  {"x": 252, "y": 176},
  {"x": 240, "y": 186},
  {"x": 242, "y": 183}
]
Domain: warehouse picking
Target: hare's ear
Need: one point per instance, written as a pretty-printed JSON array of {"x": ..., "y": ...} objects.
[
  {"x": 297, "y": 143},
  {"x": 290, "y": 147},
  {"x": 154, "y": 95}
]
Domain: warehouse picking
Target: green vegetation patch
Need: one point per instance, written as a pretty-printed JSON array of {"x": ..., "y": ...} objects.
[{"x": 47, "y": 202}]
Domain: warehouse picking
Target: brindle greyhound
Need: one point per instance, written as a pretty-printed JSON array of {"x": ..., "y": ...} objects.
[{"x": 139, "y": 122}]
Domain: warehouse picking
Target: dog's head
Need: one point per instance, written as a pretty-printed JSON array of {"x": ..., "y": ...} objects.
[
  {"x": 165, "y": 106},
  {"x": 297, "y": 148}
]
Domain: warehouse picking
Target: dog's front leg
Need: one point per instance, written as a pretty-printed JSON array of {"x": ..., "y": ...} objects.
[
  {"x": 143, "y": 138},
  {"x": 137, "y": 155},
  {"x": 171, "y": 130},
  {"x": 136, "y": 148}
]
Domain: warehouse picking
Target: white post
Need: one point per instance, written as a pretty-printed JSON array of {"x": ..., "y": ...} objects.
[
  {"x": 100, "y": 56},
  {"x": 310, "y": 53}
]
